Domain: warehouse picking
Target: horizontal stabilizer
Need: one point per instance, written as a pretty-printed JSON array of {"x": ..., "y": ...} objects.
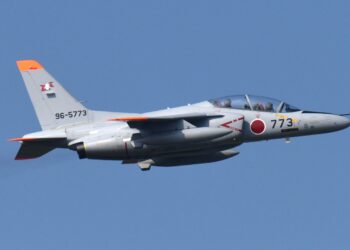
[
  {"x": 42, "y": 136},
  {"x": 27, "y": 139},
  {"x": 32, "y": 150},
  {"x": 37, "y": 144}
]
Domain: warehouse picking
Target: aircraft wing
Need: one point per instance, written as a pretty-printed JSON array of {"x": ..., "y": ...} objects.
[
  {"x": 132, "y": 120},
  {"x": 164, "y": 122}
]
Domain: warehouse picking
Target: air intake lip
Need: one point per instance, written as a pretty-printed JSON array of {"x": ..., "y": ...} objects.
[{"x": 80, "y": 148}]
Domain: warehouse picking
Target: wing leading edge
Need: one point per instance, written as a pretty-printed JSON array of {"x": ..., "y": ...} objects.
[{"x": 137, "y": 121}]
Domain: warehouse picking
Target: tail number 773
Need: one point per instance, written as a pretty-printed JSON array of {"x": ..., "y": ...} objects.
[{"x": 281, "y": 122}]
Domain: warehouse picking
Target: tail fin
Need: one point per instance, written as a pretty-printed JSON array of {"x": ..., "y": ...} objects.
[{"x": 53, "y": 105}]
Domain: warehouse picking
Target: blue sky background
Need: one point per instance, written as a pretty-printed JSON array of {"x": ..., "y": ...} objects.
[{"x": 145, "y": 55}]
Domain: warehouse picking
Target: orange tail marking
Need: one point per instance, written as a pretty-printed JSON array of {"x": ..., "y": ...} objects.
[{"x": 25, "y": 65}]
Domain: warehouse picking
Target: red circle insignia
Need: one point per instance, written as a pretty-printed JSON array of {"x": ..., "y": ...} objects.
[{"x": 257, "y": 126}]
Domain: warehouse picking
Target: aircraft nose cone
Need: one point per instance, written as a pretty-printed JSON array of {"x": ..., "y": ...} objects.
[
  {"x": 324, "y": 123},
  {"x": 329, "y": 122},
  {"x": 342, "y": 122}
]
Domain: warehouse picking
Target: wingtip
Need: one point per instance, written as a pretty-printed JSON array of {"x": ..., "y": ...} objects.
[{"x": 25, "y": 65}]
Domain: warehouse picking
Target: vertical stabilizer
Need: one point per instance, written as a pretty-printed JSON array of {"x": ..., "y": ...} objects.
[{"x": 53, "y": 105}]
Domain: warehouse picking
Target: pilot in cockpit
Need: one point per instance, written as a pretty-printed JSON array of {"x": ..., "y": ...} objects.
[
  {"x": 269, "y": 106},
  {"x": 227, "y": 103},
  {"x": 259, "y": 106}
]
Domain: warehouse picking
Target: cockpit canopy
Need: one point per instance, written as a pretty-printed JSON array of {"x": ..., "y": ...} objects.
[{"x": 251, "y": 102}]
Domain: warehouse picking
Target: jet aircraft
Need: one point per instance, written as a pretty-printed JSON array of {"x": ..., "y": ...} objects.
[{"x": 199, "y": 133}]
